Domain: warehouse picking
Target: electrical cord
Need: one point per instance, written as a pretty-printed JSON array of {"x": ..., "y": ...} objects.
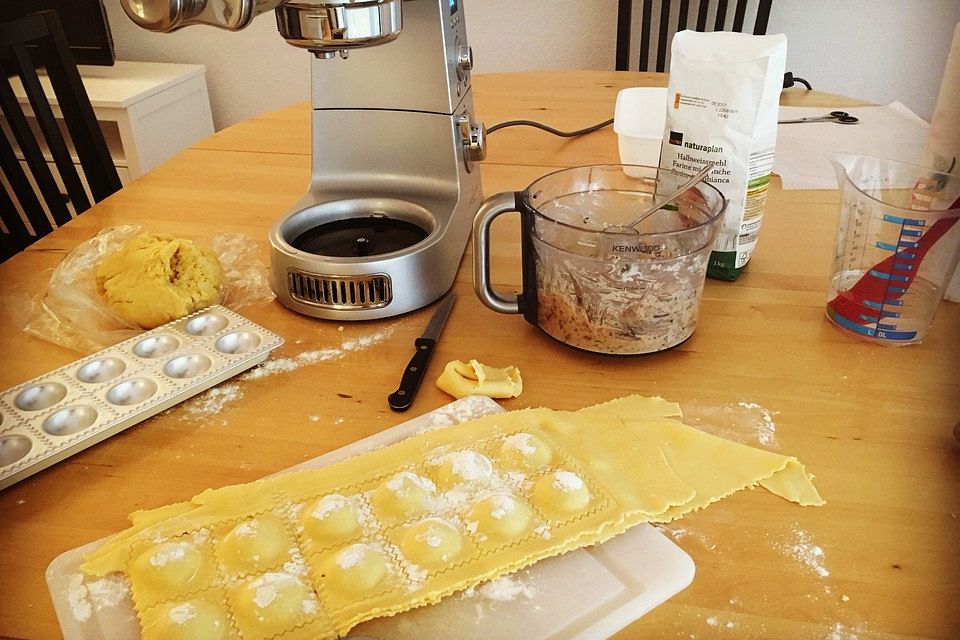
[
  {"x": 789, "y": 80},
  {"x": 549, "y": 129}
]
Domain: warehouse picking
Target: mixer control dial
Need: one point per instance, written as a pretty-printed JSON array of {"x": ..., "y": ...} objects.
[
  {"x": 464, "y": 61},
  {"x": 474, "y": 140}
]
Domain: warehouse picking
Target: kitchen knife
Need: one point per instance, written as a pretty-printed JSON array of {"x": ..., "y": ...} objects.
[{"x": 402, "y": 398}]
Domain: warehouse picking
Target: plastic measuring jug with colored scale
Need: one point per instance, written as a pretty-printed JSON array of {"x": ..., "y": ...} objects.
[{"x": 898, "y": 243}]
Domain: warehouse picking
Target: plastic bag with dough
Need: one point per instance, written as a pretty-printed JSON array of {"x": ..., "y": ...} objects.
[
  {"x": 155, "y": 278},
  {"x": 461, "y": 379}
]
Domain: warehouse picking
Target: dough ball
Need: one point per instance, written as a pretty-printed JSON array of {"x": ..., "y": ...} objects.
[
  {"x": 169, "y": 566},
  {"x": 186, "y": 620},
  {"x": 501, "y": 515},
  {"x": 464, "y": 467},
  {"x": 272, "y": 603},
  {"x": 431, "y": 543},
  {"x": 331, "y": 518},
  {"x": 405, "y": 495},
  {"x": 355, "y": 569},
  {"x": 255, "y": 545},
  {"x": 525, "y": 451},
  {"x": 156, "y": 278},
  {"x": 562, "y": 492}
]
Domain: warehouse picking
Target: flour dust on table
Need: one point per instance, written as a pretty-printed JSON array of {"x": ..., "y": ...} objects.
[
  {"x": 704, "y": 538},
  {"x": 276, "y": 366},
  {"x": 209, "y": 403},
  {"x": 745, "y": 422}
]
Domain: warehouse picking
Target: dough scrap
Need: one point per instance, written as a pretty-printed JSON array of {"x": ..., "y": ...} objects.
[
  {"x": 156, "y": 278},
  {"x": 461, "y": 379}
]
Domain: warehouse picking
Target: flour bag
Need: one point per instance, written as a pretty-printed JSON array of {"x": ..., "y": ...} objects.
[{"x": 723, "y": 104}]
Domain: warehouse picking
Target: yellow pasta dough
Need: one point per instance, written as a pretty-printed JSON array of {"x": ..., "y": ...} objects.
[
  {"x": 432, "y": 543},
  {"x": 439, "y": 512},
  {"x": 156, "y": 278},
  {"x": 500, "y": 516},
  {"x": 356, "y": 569},
  {"x": 461, "y": 379},
  {"x": 192, "y": 619},
  {"x": 462, "y": 467},
  {"x": 170, "y": 565},
  {"x": 254, "y": 545},
  {"x": 272, "y": 603},
  {"x": 168, "y": 569},
  {"x": 525, "y": 451},
  {"x": 561, "y": 492},
  {"x": 331, "y": 518},
  {"x": 405, "y": 495}
]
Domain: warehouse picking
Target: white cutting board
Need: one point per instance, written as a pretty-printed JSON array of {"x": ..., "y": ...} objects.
[{"x": 585, "y": 594}]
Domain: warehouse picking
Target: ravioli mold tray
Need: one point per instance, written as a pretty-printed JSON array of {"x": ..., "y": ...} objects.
[{"x": 53, "y": 416}]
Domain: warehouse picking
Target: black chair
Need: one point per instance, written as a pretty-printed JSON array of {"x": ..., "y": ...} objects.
[
  {"x": 671, "y": 21},
  {"x": 27, "y": 44}
]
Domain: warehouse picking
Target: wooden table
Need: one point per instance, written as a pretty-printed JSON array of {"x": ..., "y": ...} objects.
[{"x": 881, "y": 559}]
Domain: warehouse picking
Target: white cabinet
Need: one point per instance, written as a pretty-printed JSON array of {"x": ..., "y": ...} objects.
[{"x": 148, "y": 111}]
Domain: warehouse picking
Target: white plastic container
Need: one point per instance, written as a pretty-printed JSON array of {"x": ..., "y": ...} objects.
[{"x": 638, "y": 121}]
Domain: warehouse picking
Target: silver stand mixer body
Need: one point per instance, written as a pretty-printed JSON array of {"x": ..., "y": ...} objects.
[
  {"x": 392, "y": 134},
  {"x": 393, "y": 190}
]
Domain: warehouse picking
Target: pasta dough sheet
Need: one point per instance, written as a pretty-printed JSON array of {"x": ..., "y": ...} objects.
[{"x": 310, "y": 554}]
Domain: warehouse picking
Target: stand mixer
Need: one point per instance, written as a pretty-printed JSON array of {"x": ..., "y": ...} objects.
[{"x": 394, "y": 185}]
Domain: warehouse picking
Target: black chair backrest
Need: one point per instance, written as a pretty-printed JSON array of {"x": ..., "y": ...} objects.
[
  {"x": 670, "y": 22},
  {"x": 27, "y": 44}
]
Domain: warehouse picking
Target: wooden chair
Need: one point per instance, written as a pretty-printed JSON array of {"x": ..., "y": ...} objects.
[
  {"x": 670, "y": 21},
  {"x": 27, "y": 44}
]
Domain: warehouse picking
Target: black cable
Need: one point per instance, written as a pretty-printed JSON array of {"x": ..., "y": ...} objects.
[
  {"x": 789, "y": 80},
  {"x": 549, "y": 129}
]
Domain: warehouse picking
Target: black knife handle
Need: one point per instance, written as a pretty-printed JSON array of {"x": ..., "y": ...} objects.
[{"x": 402, "y": 398}]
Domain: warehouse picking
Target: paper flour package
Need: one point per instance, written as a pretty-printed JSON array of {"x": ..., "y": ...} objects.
[{"x": 723, "y": 105}]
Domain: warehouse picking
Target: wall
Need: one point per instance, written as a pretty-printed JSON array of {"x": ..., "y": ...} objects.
[{"x": 879, "y": 50}]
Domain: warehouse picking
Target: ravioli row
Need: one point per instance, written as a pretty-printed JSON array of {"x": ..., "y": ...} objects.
[
  {"x": 312, "y": 568},
  {"x": 313, "y": 553}
]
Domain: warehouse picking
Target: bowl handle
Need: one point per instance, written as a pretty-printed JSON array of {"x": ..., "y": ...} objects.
[{"x": 490, "y": 209}]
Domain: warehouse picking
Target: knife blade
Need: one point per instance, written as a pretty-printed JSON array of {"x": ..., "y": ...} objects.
[{"x": 402, "y": 398}]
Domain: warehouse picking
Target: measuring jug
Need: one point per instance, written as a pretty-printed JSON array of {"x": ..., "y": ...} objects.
[
  {"x": 621, "y": 291},
  {"x": 898, "y": 243}
]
